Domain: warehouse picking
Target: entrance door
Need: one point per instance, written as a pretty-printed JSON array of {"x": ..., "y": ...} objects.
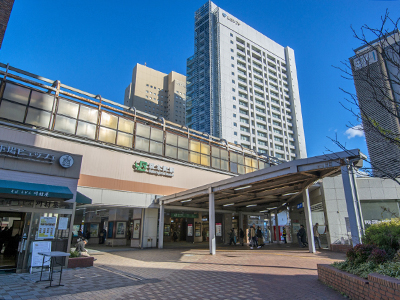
[{"x": 12, "y": 225}]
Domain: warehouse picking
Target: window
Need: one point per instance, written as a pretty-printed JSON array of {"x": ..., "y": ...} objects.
[
  {"x": 231, "y": 42},
  {"x": 234, "y": 115},
  {"x": 291, "y": 143},
  {"x": 243, "y": 120},
  {"x": 147, "y": 85},
  {"x": 276, "y": 123},
  {"x": 261, "y": 134},
  {"x": 231, "y": 34},
  {"x": 260, "y": 110},
  {"x": 234, "y": 124},
  {"x": 278, "y": 147},
  {"x": 234, "y": 133},
  {"x": 245, "y": 129},
  {"x": 233, "y": 73},
  {"x": 262, "y": 126},
  {"x": 278, "y": 131},
  {"x": 242, "y": 111},
  {"x": 234, "y": 98},
  {"x": 233, "y": 89},
  {"x": 234, "y": 106},
  {"x": 279, "y": 155},
  {"x": 232, "y": 58},
  {"x": 262, "y": 143},
  {"x": 233, "y": 81},
  {"x": 277, "y": 139},
  {"x": 231, "y": 50},
  {"x": 276, "y": 116},
  {"x": 245, "y": 138},
  {"x": 232, "y": 65},
  {"x": 290, "y": 135}
]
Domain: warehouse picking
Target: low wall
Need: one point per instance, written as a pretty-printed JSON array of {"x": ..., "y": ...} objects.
[
  {"x": 80, "y": 262},
  {"x": 375, "y": 287},
  {"x": 340, "y": 248}
]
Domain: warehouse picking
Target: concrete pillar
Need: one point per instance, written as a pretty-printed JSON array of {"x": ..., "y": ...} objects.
[
  {"x": 350, "y": 193},
  {"x": 240, "y": 221},
  {"x": 309, "y": 224},
  {"x": 161, "y": 227},
  {"x": 271, "y": 239},
  {"x": 211, "y": 215},
  {"x": 277, "y": 227}
]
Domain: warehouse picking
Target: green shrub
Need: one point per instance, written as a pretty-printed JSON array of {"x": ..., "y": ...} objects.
[
  {"x": 391, "y": 269},
  {"x": 385, "y": 235},
  {"x": 74, "y": 254}
]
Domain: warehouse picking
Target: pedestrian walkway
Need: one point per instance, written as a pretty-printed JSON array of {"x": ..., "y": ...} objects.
[{"x": 236, "y": 272}]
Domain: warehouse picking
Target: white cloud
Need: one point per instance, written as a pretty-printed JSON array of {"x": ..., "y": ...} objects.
[{"x": 355, "y": 131}]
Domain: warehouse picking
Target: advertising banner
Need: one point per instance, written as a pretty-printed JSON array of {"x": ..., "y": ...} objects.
[
  {"x": 47, "y": 227},
  {"x": 218, "y": 229},
  {"x": 190, "y": 230}
]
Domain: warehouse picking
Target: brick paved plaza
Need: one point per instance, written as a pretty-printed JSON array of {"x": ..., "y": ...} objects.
[{"x": 274, "y": 272}]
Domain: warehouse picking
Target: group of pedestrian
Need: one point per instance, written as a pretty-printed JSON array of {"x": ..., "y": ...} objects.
[
  {"x": 302, "y": 236},
  {"x": 255, "y": 236}
]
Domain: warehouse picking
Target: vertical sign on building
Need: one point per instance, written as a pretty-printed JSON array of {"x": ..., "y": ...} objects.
[{"x": 218, "y": 229}]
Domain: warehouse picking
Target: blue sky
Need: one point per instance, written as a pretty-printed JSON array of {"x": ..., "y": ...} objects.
[{"x": 94, "y": 45}]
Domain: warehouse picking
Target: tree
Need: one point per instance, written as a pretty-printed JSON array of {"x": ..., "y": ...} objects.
[{"x": 375, "y": 70}]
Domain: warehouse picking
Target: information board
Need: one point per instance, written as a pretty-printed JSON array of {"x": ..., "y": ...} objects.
[
  {"x": 37, "y": 259},
  {"x": 218, "y": 229},
  {"x": 47, "y": 227},
  {"x": 190, "y": 230},
  {"x": 63, "y": 223}
]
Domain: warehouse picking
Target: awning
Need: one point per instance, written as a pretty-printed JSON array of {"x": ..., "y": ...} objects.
[
  {"x": 82, "y": 199},
  {"x": 35, "y": 190}
]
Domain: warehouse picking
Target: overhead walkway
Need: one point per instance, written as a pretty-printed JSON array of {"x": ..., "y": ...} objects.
[{"x": 272, "y": 189}]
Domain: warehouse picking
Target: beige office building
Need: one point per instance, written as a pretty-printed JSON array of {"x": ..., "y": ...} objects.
[{"x": 157, "y": 94}]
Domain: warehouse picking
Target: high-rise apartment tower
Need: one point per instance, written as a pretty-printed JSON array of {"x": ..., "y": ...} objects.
[
  {"x": 157, "y": 93},
  {"x": 376, "y": 77},
  {"x": 242, "y": 86}
]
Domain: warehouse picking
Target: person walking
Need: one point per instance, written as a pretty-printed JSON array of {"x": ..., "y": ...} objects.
[
  {"x": 232, "y": 237},
  {"x": 241, "y": 236},
  {"x": 316, "y": 236},
  {"x": 301, "y": 236},
  {"x": 259, "y": 237},
  {"x": 284, "y": 234}
]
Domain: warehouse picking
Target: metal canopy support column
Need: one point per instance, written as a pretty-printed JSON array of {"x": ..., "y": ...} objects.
[
  {"x": 240, "y": 221},
  {"x": 350, "y": 193},
  {"x": 211, "y": 216},
  {"x": 161, "y": 227},
  {"x": 309, "y": 224},
  {"x": 271, "y": 233},
  {"x": 277, "y": 227}
]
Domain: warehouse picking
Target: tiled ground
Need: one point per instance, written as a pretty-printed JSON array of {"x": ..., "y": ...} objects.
[{"x": 274, "y": 272}]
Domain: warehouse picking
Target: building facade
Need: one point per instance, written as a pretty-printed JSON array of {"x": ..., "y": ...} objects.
[
  {"x": 243, "y": 87},
  {"x": 157, "y": 94},
  {"x": 5, "y": 12},
  {"x": 375, "y": 72}
]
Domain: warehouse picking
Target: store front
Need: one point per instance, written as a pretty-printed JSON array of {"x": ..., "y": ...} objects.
[
  {"x": 190, "y": 227},
  {"x": 37, "y": 200}
]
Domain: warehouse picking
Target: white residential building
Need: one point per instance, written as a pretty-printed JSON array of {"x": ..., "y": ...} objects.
[{"x": 243, "y": 87}]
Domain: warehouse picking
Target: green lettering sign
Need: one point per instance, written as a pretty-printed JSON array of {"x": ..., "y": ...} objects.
[{"x": 141, "y": 166}]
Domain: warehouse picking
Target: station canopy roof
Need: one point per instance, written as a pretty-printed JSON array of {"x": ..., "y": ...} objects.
[{"x": 266, "y": 189}]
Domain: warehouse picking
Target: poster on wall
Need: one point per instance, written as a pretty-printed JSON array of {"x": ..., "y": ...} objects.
[
  {"x": 75, "y": 229},
  {"x": 167, "y": 229},
  {"x": 121, "y": 228},
  {"x": 94, "y": 230},
  {"x": 37, "y": 260},
  {"x": 47, "y": 227},
  {"x": 190, "y": 230},
  {"x": 296, "y": 227},
  {"x": 197, "y": 229},
  {"x": 136, "y": 229},
  {"x": 218, "y": 229},
  {"x": 63, "y": 223}
]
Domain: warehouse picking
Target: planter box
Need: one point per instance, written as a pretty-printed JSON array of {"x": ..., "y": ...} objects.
[
  {"x": 80, "y": 262},
  {"x": 375, "y": 287}
]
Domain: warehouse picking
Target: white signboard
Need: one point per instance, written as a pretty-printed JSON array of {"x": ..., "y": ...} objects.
[
  {"x": 37, "y": 259},
  {"x": 63, "y": 224},
  {"x": 47, "y": 227},
  {"x": 218, "y": 229},
  {"x": 190, "y": 230}
]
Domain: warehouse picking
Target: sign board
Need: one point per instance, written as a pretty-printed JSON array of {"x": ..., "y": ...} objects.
[
  {"x": 19, "y": 153},
  {"x": 62, "y": 223},
  {"x": 47, "y": 227},
  {"x": 300, "y": 205},
  {"x": 37, "y": 259},
  {"x": 143, "y": 166},
  {"x": 254, "y": 217},
  {"x": 296, "y": 227},
  {"x": 218, "y": 229},
  {"x": 190, "y": 230},
  {"x": 136, "y": 229},
  {"x": 184, "y": 215}
]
